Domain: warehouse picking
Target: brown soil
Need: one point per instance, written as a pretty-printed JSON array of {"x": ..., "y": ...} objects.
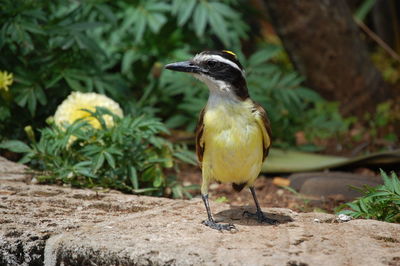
[{"x": 268, "y": 194}]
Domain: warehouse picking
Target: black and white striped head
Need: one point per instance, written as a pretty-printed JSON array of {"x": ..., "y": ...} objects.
[{"x": 219, "y": 70}]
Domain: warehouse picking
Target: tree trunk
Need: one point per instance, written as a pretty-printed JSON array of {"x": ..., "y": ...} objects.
[
  {"x": 385, "y": 18},
  {"x": 325, "y": 46}
]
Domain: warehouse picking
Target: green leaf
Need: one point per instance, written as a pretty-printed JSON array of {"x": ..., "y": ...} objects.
[
  {"x": 50, "y": 83},
  {"x": 86, "y": 172},
  {"x": 107, "y": 12},
  {"x": 33, "y": 28},
  {"x": 140, "y": 28},
  {"x": 200, "y": 18},
  {"x": 396, "y": 183},
  {"x": 32, "y": 102},
  {"x": 224, "y": 9},
  {"x": 15, "y": 146},
  {"x": 219, "y": 26},
  {"x": 158, "y": 181},
  {"x": 387, "y": 181},
  {"x": 40, "y": 95},
  {"x": 263, "y": 55},
  {"x": 82, "y": 26},
  {"x": 363, "y": 205},
  {"x": 21, "y": 99},
  {"x": 347, "y": 212},
  {"x": 354, "y": 206},
  {"x": 289, "y": 161},
  {"x": 379, "y": 194},
  {"x": 133, "y": 177},
  {"x": 73, "y": 84},
  {"x": 186, "y": 11},
  {"x": 99, "y": 162},
  {"x": 128, "y": 59},
  {"x": 177, "y": 192},
  {"x": 144, "y": 190},
  {"x": 83, "y": 164},
  {"x": 158, "y": 7},
  {"x": 110, "y": 159},
  {"x": 364, "y": 9},
  {"x": 156, "y": 21},
  {"x": 186, "y": 156}
]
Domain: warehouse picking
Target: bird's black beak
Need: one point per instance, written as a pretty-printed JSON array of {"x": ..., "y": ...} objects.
[{"x": 186, "y": 66}]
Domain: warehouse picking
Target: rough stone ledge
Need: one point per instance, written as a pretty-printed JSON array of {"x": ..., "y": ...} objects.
[{"x": 53, "y": 225}]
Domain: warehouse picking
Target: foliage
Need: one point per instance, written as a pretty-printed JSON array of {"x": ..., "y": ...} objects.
[
  {"x": 364, "y": 8},
  {"x": 388, "y": 66},
  {"x": 324, "y": 120},
  {"x": 128, "y": 156},
  {"x": 106, "y": 46},
  {"x": 222, "y": 199},
  {"x": 118, "y": 48},
  {"x": 47, "y": 46},
  {"x": 380, "y": 203},
  {"x": 379, "y": 128},
  {"x": 290, "y": 106},
  {"x": 384, "y": 116},
  {"x": 305, "y": 206}
]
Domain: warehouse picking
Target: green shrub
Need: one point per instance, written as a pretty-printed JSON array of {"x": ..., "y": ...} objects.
[
  {"x": 291, "y": 107},
  {"x": 129, "y": 156},
  {"x": 380, "y": 203},
  {"x": 118, "y": 48}
]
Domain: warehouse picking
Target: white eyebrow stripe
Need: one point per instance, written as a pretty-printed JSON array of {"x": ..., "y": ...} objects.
[{"x": 200, "y": 57}]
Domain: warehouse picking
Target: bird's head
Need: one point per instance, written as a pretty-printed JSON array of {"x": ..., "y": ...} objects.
[{"x": 219, "y": 70}]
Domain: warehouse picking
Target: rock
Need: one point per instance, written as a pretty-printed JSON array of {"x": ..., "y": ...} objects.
[
  {"x": 343, "y": 218},
  {"x": 332, "y": 184},
  {"x": 52, "y": 225},
  {"x": 12, "y": 171}
]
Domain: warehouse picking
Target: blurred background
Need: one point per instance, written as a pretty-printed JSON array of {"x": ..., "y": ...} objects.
[{"x": 327, "y": 72}]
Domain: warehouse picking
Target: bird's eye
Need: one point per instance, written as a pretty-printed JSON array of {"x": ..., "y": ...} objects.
[{"x": 211, "y": 63}]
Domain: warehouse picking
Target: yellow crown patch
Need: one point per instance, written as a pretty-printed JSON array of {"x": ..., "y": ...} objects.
[{"x": 229, "y": 52}]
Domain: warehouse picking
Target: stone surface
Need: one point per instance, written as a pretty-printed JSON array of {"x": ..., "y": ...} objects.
[
  {"x": 54, "y": 225},
  {"x": 329, "y": 184},
  {"x": 12, "y": 171}
]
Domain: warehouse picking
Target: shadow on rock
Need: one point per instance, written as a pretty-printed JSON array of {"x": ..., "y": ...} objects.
[{"x": 236, "y": 215}]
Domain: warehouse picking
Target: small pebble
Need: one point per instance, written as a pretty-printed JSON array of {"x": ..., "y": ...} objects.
[
  {"x": 214, "y": 186},
  {"x": 317, "y": 220},
  {"x": 343, "y": 218}
]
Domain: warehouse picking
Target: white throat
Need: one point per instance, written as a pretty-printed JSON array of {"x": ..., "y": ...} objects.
[{"x": 220, "y": 92}]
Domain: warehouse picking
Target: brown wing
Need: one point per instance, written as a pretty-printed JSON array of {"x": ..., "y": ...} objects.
[
  {"x": 199, "y": 138},
  {"x": 263, "y": 121}
]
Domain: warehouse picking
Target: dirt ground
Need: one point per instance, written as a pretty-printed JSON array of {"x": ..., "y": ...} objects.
[{"x": 268, "y": 194}]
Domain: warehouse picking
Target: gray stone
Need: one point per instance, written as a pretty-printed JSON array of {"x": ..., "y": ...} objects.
[
  {"x": 331, "y": 184},
  {"x": 53, "y": 225},
  {"x": 12, "y": 171}
]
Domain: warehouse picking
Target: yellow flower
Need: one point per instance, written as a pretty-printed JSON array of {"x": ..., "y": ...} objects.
[
  {"x": 6, "y": 79},
  {"x": 70, "y": 109}
]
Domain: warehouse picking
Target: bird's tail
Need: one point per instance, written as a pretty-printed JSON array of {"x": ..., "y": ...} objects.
[{"x": 238, "y": 187}]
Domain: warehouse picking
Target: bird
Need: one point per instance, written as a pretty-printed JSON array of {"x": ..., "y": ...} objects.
[{"x": 233, "y": 133}]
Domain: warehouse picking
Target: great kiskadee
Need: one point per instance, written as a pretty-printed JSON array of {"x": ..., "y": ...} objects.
[{"x": 233, "y": 133}]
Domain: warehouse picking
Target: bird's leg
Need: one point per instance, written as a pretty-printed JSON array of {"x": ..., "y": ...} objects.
[
  {"x": 259, "y": 215},
  {"x": 210, "y": 221}
]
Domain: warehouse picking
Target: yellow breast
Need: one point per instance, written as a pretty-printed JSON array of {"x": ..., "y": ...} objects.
[{"x": 233, "y": 144}]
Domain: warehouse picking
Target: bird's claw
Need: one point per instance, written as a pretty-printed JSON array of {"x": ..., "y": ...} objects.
[
  {"x": 219, "y": 227},
  {"x": 261, "y": 218}
]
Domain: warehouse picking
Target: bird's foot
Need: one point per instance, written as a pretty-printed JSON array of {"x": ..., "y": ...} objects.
[
  {"x": 220, "y": 227},
  {"x": 261, "y": 218}
]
